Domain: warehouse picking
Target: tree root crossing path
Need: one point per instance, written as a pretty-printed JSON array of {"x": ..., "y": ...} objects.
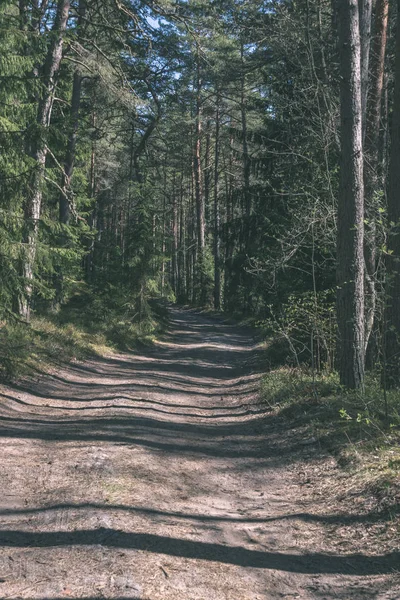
[{"x": 161, "y": 476}]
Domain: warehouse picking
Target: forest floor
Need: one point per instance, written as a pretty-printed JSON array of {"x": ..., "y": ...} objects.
[{"x": 162, "y": 476}]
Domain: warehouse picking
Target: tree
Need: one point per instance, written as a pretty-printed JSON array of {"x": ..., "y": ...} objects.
[
  {"x": 392, "y": 312},
  {"x": 199, "y": 157},
  {"x": 350, "y": 239},
  {"x": 34, "y": 194},
  {"x": 372, "y": 168}
]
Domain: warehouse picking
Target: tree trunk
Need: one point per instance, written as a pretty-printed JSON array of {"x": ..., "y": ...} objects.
[
  {"x": 163, "y": 246},
  {"x": 371, "y": 156},
  {"x": 191, "y": 241},
  {"x": 324, "y": 71},
  {"x": 89, "y": 259},
  {"x": 65, "y": 199},
  {"x": 350, "y": 255},
  {"x": 64, "y": 204},
  {"x": 175, "y": 230},
  {"x": 230, "y": 242},
  {"x": 365, "y": 16},
  {"x": 217, "y": 243},
  {"x": 182, "y": 244},
  {"x": 245, "y": 150},
  {"x": 392, "y": 310},
  {"x": 198, "y": 172},
  {"x": 207, "y": 176},
  {"x": 34, "y": 198}
]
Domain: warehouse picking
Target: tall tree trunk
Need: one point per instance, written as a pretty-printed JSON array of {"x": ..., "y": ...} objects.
[
  {"x": 228, "y": 298},
  {"x": 175, "y": 226},
  {"x": 324, "y": 71},
  {"x": 350, "y": 252},
  {"x": 230, "y": 242},
  {"x": 34, "y": 198},
  {"x": 198, "y": 171},
  {"x": 371, "y": 156},
  {"x": 198, "y": 271},
  {"x": 245, "y": 147},
  {"x": 217, "y": 242},
  {"x": 365, "y": 16},
  {"x": 64, "y": 204},
  {"x": 163, "y": 246},
  {"x": 65, "y": 199},
  {"x": 207, "y": 175},
  {"x": 182, "y": 245},
  {"x": 392, "y": 310},
  {"x": 191, "y": 240},
  {"x": 89, "y": 259}
]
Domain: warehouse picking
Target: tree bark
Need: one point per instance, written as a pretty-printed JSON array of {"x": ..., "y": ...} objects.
[
  {"x": 350, "y": 237},
  {"x": 175, "y": 229},
  {"x": 207, "y": 176},
  {"x": 65, "y": 200},
  {"x": 64, "y": 205},
  {"x": 34, "y": 197},
  {"x": 230, "y": 242},
  {"x": 217, "y": 242},
  {"x": 365, "y": 17},
  {"x": 245, "y": 148},
  {"x": 163, "y": 246},
  {"x": 182, "y": 244},
  {"x": 371, "y": 156},
  {"x": 392, "y": 310},
  {"x": 89, "y": 259},
  {"x": 198, "y": 171}
]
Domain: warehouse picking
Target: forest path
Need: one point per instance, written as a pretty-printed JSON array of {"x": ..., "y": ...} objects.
[{"x": 160, "y": 476}]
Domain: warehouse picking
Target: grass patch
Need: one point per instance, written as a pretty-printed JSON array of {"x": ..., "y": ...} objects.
[
  {"x": 86, "y": 326},
  {"x": 348, "y": 425}
]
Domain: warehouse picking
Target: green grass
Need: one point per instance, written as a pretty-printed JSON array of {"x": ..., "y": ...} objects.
[
  {"x": 83, "y": 328},
  {"x": 348, "y": 425}
]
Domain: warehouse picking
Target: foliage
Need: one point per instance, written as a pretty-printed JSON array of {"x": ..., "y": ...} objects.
[
  {"x": 90, "y": 324},
  {"x": 164, "y": 112},
  {"x": 290, "y": 327},
  {"x": 350, "y": 426}
]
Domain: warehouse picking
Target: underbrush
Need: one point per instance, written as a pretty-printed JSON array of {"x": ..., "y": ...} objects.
[
  {"x": 350, "y": 426},
  {"x": 88, "y": 325}
]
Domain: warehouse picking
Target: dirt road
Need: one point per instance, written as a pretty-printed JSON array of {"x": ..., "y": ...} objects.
[{"x": 160, "y": 476}]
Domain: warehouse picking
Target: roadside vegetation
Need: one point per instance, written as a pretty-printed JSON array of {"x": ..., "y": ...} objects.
[
  {"x": 88, "y": 325},
  {"x": 359, "y": 431}
]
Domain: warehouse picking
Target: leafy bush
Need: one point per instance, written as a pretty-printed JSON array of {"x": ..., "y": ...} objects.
[{"x": 303, "y": 331}]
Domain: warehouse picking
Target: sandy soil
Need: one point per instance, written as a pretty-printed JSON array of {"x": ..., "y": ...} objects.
[{"x": 160, "y": 476}]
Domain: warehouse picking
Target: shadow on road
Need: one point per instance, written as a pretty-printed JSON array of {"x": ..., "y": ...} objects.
[{"x": 355, "y": 564}]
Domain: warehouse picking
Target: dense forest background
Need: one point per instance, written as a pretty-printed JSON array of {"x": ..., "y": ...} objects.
[{"x": 241, "y": 155}]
